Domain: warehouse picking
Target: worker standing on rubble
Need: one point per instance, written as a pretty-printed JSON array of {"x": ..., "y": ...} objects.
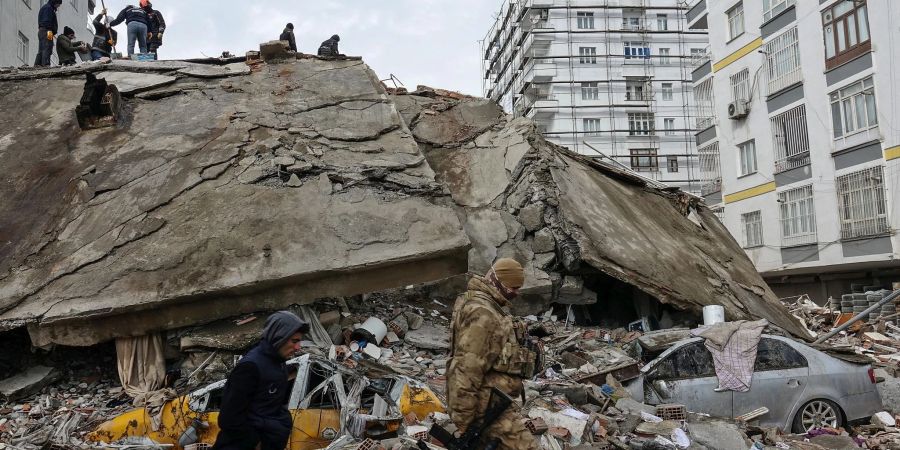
[
  {"x": 487, "y": 351},
  {"x": 254, "y": 411},
  {"x": 137, "y": 18},
  {"x": 155, "y": 32},
  {"x": 288, "y": 35},
  {"x": 48, "y": 26},
  {"x": 104, "y": 38},
  {"x": 330, "y": 47},
  {"x": 67, "y": 47}
]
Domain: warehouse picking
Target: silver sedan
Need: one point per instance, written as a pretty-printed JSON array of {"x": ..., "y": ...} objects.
[{"x": 802, "y": 387}]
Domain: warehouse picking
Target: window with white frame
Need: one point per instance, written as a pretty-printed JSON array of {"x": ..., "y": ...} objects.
[
  {"x": 798, "y": 216},
  {"x": 588, "y": 55},
  {"x": 783, "y": 61},
  {"x": 633, "y": 23},
  {"x": 861, "y": 202},
  {"x": 590, "y": 91},
  {"x": 853, "y": 109},
  {"x": 640, "y": 124},
  {"x": 664, "y": 54},
  {"x": 662, "y": 22},
  {"x": 670, "y": 126},
  {"x": 736, "y": 21},
  {"x": 644, "y": 160},
  {"x": 740, "y": 86},
  {"x": 637, "y": 89},
  {"x": 667, "y": 91},
  {"x": 772, "y": 8},
  {"x": 747, "y": 156},
  {"x": 585, "y": 21},
  {"x": 710, "y": 169},
  {"x": 591, "y": 126},
  {"x": 22, "y": 48},
  {"x": 751, "y": 226},
  {"x": 672, "y": 164},
  {"x": 637, "y": 50},
  {"x": 790, "y": 139}
]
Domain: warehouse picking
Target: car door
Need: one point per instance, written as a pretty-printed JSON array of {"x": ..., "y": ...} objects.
[
  {"x": 780, "y": 375},
  {"x": 687, "y": 376}
]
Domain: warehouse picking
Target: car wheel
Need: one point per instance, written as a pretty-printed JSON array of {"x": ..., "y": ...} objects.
[{"x": 818, "y": 414}]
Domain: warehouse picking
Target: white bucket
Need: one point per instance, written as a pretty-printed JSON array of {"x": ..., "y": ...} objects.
[
  {"x": 713, "y": 314},
  {"x": 371, "y": 328}
]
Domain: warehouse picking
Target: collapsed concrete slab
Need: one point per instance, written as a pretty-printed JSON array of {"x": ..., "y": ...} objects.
[
  {"x": 295, "y": 182},
  {"x": 28, "y": 382},
  {"x": 568, "y": 218}
]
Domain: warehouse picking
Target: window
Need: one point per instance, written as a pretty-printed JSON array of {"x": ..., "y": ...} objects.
[
  {"x": 637, "y": 89},
  {"x": 591, "y": 126},
  {"x": 853, "y": 109},
  {"x": 585, "y": 21},
  {"x": 790, "y": 139},
  {"x": 783, "y": 61},
  {"x": 772, "y": 8},
  {"x": 747, "y": 156},
  {"x": 670, "y": 126},
  {"x": 751, "y": 224},
  {"x": 736, "y": 21},
  {"x": 672, "y": 163},
  {"x": 590, "y": 91},
  {"x": 862, "y": 204},
  {"x": 690, "y": 361},
  {"x": 798, "y": 216},
  {"x": 740, "y": 86},
  {"x": 662, "y": 22},
  {"x": 588, "y": 55},
  {"x": 644, "y": 160},
  {"x": 632, "y": 23},
  {"x": 22, "y": 48},
  {"x": 772, "y": 354},
  {"x": 846, "y": 26},
  {"x": 664, "y": 56},
  {"x": 637, "y": 50},
  {"x": 667, "y": 91},
  {"x": 640, "y": 124},
  {"x": 710, "y": 169}
]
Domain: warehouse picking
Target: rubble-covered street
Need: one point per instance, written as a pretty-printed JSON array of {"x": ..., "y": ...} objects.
[{"x": 222, "y": 190}]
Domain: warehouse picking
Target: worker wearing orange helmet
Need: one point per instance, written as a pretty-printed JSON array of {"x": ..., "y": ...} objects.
[{"x": 137, "y": 18}]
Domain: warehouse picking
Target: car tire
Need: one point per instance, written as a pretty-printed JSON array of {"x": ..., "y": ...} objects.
[{"x": 818, "y": 412}]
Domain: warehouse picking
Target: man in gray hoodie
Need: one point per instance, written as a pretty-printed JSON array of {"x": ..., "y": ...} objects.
[{"x": 254, "y": 410}]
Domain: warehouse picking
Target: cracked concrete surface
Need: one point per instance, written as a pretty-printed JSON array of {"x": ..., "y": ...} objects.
[{"x": 220, "y": 196}]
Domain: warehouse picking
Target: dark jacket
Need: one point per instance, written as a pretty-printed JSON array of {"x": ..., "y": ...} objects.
[
  {"x": 330, "y": 47},
  {"x": 47, "y": 18},
  {"x": 254, "y": 404},
  {"x": 132, "y": 14},
  {"x": 157, "y": 24},
  {"x": 66, "y": 49},
  {"x": 288, "y": 35},
  {"x": 101, "y": 36}
]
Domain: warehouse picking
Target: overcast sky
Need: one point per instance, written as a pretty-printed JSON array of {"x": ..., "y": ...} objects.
[{"x": 431, "y": 42}]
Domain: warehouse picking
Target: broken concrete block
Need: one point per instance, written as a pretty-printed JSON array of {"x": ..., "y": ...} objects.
[
  {"x": 330, "y": 318},
  {"x": 131, "y": 83},
  {"x": 214, "y": 71},
  {"x": 274, "y": 51},
  {"x": 532, "y": 216},
  {"x": 572, "y": 285},
  {"x": 28, "y": 382},
  {"x": 254, "y": 174},
  {"x": 429, "y": 337},
  {"x": 414, "y": 320},
  {"x": 283, "y": 161},
  {"x": 543, "y": 241},
  {"x": 294, "y": 181}
]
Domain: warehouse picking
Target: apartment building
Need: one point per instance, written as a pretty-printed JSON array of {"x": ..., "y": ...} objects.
[
  {"x": 799, "y": 142},
  {"x": 610, "y": 78},
  {"x": 18, "y": 28}
]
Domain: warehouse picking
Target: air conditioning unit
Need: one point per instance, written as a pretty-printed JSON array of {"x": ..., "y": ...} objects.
[{"x": 738, "y": 109}]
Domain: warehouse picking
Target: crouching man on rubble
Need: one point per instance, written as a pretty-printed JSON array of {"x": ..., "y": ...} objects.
[
  {"x": 488, "y": 351},
  {"x": 254, "y": 413}
]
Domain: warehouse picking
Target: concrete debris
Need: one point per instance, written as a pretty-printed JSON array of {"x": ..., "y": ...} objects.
[
  {"x": 130, "y": 83},
  {"x": 28, "y": 382}
]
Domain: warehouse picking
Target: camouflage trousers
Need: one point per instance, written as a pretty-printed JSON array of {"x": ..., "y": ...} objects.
[{"x": 511, "y": 431}]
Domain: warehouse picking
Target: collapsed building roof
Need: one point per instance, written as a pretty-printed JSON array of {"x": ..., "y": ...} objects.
[{"x": 224, "y": 190}]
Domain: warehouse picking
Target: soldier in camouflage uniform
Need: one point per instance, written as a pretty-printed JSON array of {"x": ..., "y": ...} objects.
[{"x": 487, "y": 351}]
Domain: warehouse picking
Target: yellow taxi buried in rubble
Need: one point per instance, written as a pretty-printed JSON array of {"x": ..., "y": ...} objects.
[{"x": 321, "y": 392}]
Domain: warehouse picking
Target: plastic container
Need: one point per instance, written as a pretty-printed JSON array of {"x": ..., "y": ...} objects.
[
  {"x": 713, "y": 314},
  {"x": 372, "y": 330}
]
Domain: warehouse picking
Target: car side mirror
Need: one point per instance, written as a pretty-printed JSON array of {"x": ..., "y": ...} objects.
[{"x": 662, "y": 389}]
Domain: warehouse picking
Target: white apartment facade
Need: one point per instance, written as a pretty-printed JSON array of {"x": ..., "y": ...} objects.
[
  {"x": 19, "y": 28},
  {"x": 609, "y": 78},
  {"x": 799, "y": 141}
]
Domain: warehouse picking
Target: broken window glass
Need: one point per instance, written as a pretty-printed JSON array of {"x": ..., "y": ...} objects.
[
  {"x": 776, "y": 355},
  {"x": 690, "y": 361}
]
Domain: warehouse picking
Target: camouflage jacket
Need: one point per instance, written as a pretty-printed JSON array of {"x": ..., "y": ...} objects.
[{"x": 486, "y": 351}]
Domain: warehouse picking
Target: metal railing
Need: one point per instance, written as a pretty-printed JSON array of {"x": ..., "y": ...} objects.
[
  {"x": 783, "y": 61},
  {"x": 862, "y": 203},
  {"x": 798, "y": 217},
  {"x": 710, "y": 169},
  {"x": 790, "y": 139}
]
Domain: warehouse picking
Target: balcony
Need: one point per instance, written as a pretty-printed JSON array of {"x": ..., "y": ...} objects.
[
  {"x": 697, "y": 16},
  {"x": 540, "y": 70},
  {"x": 537, "y": 44}
]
